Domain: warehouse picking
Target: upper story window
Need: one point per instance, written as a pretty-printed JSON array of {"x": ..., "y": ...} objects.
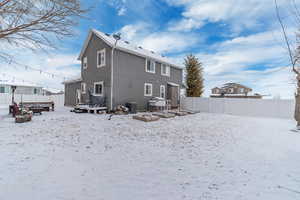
[
  {"x": 35, "y": 91},
  {"x": 165, "y": 70},
  {"x": 101, "y": 61},
  {"x": 85, "y": 63},
  {"x": 148, "y": 89},
  {"x": 83, "y": 88},
  {"x": 98, "y": 88},
  {"x": 150, "y": 66}
]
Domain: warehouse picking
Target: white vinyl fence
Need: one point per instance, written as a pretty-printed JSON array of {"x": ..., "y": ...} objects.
[
  {"x": 5, "y": 99},
  {"x": 246, "y": 107}
]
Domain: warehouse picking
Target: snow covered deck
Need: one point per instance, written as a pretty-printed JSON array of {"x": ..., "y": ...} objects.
[{"x": 201, "y": 156}]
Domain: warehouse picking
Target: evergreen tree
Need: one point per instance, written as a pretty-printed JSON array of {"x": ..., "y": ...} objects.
[{"x": 194, "y": 77}]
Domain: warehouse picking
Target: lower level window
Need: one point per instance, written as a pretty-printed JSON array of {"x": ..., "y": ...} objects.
[
  {"x": 148, "y": 89},
  {"x": 162, "y": 91},
  {"x": 2, "y": 89},
  {"x": 98, "y": 88}
]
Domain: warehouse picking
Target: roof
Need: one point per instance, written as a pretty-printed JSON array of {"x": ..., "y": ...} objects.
[
  {"x": 18, "y": 83},
  {"x": 226, "y": 85},
  {"x": 73, "y": 80},
  {"x": 127, "y": 47},
  {"x": 53, "y": 90}
]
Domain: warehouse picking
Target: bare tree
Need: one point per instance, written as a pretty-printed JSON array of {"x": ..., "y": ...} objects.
[
  {"x": 294, "y": 55},
  {"x": 37, "y": 24}
]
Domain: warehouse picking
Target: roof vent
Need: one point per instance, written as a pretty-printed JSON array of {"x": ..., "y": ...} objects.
[
  {"x": 126, "y": 42},
  {"x": 140, "y": 47},
  {"x": 107, "y": 34}
]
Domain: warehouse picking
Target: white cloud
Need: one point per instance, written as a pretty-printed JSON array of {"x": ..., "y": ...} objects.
[
  {"x": 133, "y": 31},
  {"x": 185, "y": 25},
  {"x": 122, "y": 11},
  {"x": 239, "y": 14},
  {"x": 161, "y": 41},
  {"x": 242, "y": 52},
  {"x": 169, "y": 42}
]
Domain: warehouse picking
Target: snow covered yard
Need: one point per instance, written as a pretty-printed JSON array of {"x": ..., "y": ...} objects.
[{"x": 62, "y": 155}]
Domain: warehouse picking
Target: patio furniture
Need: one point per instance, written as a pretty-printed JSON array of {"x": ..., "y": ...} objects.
[
  {"x": 44, "y": 106},
  {"x": 156, "y": 104}
]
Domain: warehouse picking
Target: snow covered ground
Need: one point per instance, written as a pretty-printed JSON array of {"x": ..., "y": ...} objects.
[{"x": 63, "y": 156}]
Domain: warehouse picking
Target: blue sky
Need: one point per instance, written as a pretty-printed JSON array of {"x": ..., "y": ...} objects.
[{"x": 236, "y": 40}]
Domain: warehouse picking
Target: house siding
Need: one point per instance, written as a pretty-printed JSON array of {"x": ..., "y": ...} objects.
[
  {"x": 93, "y": 74},
  {"x": 130, "y": 76},
  {"x": 70, "y": 93}
]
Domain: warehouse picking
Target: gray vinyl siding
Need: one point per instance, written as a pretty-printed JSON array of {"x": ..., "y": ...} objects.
[
  {"x": 93, "y": 74},
  {"x": 70, "y": 93},
  {"x": 130, "y": 76}
]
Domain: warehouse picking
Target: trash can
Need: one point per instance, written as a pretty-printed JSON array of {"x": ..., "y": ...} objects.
[{"x": 132, "y": 107}]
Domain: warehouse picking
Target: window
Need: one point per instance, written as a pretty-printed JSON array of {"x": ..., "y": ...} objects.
[
  {"x": 85, "y": 64},
  {"x": 2, "y": 89},
  {"x": 242, "y": 90},
  {"x": 150, "y": 66},
  {"x": 231, "y": 90},
  {"x": 83, "y": 88},
  {"x": 148, "y": 89},
  {"x": 101, "y": 58},
  {"x": 162, "y": 91},
  {"x": 35, "y": 91},
  {"x": 98, "y": 88},
  {"x": 165, "y": 70}
]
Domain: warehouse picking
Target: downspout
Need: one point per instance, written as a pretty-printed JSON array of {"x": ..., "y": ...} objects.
[{"x": 112, "y": 75}]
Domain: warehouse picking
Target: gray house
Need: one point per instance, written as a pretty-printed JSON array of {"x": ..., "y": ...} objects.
[{"x": 122, "y": 72}]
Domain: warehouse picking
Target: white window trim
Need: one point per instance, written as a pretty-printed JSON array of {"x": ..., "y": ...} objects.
[
  {"x": 168, "y": 69},
  {"x": 99, "y": 83},
  {"x": 100, "y": 52},
  {"x": 85, "y": 62},
  {"x": 160, "y": 91},
  {"x": 148, "y": 84},
  {"x": 146, "y": 68},
  {"x": 84, "y": 86}
]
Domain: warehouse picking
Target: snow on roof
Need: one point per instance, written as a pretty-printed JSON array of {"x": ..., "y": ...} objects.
[
  {"x": 230, "y": 84},
  {"x": 52, "y": 90},
  {"x": 18, "y": 83},
  {"x": 73, "y": 80},
  {"x": 127, "y": 47}
]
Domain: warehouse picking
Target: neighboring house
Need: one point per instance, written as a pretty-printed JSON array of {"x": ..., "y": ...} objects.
[
  {"x": 233, "y": 90},
  {"x": 122, "y": 73},
  {"x": 22, "y": 88}
]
